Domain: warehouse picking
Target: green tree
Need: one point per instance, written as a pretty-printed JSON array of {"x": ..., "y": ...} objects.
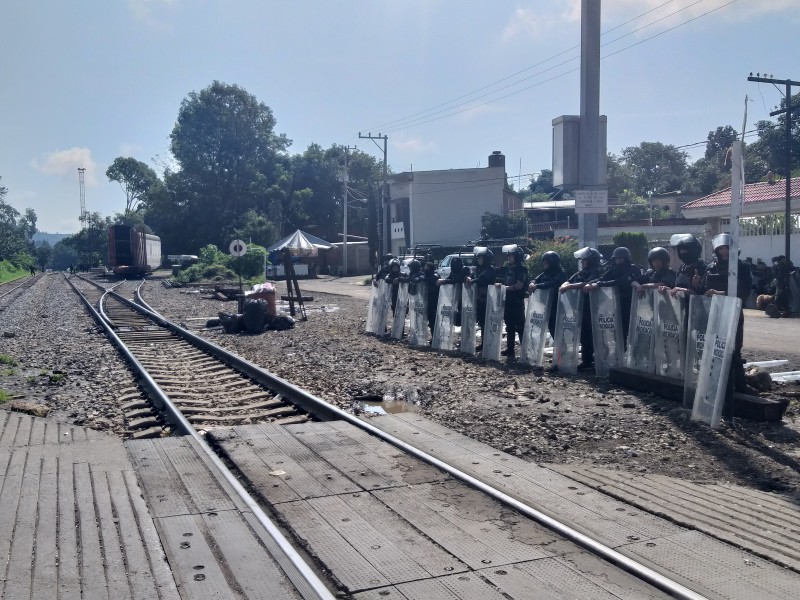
[
  {"x": 566, "y": 248},
  {"x": 90, "y": 244},
  {"x": 64, "y": 256},
  {"x": 501, "y": 227},
  {"x": 135, "y": 178},
  {"x": 224, "y": 138},
  {"x": 43, "y": 254},
  {"x": 770, "y": 148},
  {"x": 16, "y": 231},
  {"x": 636, "y": 242},
  {"x": 655, "y": 167},
  {"x": 619, "y": 176},
  {"x": 635, "y": 208},
  {"x": 543, "y": 183}
]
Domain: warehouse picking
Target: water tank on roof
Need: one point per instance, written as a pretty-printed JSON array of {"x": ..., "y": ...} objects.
[{"x": 497, "y": 159}]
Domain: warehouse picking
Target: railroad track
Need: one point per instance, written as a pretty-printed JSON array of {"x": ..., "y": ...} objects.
[
  {"x": 14, "y": 289},
  {"x": 173, "y": 364}
]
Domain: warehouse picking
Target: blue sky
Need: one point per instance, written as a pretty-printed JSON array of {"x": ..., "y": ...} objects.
[{"x": 84, "y": 82}]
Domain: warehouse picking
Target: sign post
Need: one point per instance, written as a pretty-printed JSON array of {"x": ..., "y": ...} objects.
[{"x": 238, "y": 249}]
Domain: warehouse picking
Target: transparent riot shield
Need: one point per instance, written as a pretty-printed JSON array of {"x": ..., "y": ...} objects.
[
  {"x": 400, "y": 309},
  {"x": 493, "y": 330},
  {"x": 609, "y": 346},
  {"x": 373, "y": 302},
  {"x": 699, "y": 307},
  {"x": 568, "y": 331},
  {"x": 468, "y": 320},
  {"x": 444, "y": 331},
  {"x": 381, "y": 302},
  {"x": 641, "y": 332},
  {"x": 418, "y": 310},
  {"x": 537, "y": 317},
  {"x": 670, "y": 337},
  {"x": 712, "y": 382}
]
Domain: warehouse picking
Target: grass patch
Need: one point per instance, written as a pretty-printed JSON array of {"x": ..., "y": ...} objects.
[
  {"x": 4, "y": 396},
  {"x": 10, "y": 272},
  {"x": 6, "y": 359},
  {"x": 56, "y": 378},
  {"x": 9, "y": 372}
]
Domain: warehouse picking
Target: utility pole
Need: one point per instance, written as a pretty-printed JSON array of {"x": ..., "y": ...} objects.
[
  {"x": 345, "y": 192},
  {"x": 82, "y": 185},
  {"x": 384, "y": 190},
  {"x": 788, "y": 168}
]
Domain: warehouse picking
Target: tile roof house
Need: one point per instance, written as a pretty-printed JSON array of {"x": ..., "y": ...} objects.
[{"x": 760, "y": 198}]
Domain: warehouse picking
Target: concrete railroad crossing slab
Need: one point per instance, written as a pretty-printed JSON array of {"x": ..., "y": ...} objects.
[{"x": 690, "y": 546}]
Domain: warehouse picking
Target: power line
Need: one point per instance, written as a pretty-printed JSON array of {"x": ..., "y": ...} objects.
[
  {"x": 490, "y": 85},
  {"x": 431, "y": 111}
]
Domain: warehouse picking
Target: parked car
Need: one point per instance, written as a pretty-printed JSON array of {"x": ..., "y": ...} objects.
[{"x": 443, "y": 270}]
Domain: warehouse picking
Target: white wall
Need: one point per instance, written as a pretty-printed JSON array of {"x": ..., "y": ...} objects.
[{"x": 767, "y": 246}]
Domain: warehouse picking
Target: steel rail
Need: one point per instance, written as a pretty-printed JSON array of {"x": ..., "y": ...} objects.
[
  {"x": 28, "y": 282},
  {"x": 322, "y": 408},
  {"x": 302, "y": 576}
]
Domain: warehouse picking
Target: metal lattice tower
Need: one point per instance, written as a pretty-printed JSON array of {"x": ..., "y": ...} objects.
[{"x": 82, "y": 218}]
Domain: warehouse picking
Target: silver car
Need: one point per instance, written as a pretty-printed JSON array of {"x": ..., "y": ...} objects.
[{"x": 443, "y": 270}]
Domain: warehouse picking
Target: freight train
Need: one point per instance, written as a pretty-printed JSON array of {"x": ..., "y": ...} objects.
[{"x": 132, "y": 252}]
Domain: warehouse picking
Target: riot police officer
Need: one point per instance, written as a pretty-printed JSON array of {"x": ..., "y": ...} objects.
[
  {"x": 383, "y": 270},
  {"x": 621, "y": 275},
  {"x": 551, "y": 278},
  {"x": 659, "y": 276},
  {"x": 715, "y": 282},
  {"x": 514, "y": 277},
  {"x": 393, "y": 279},
  {"x": 591, "y": 269},
  {"x": 483, "y": 276},
  {"x": 690, "y": 274}
]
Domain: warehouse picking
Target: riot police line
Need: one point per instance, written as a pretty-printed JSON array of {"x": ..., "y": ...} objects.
[{"x": 656, "y": 322}]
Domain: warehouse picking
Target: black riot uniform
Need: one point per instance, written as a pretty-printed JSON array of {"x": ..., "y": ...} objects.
[
  {"x": 782, "y": 269},
  {"x": 551, "y": 279},
  {"x": 383, "y": 270},
  {"x": 393, "y": 279},
  {"x": 665, "y": 275},
  {"x": 621, "y": 275},
  {"x": 592, "y": 271},
  {"x": 689, "y": 251},
  {"x": 483, "y": 277},
  {"x": 716, "y": 278},
  {"x": 514, "y": 274},
  {"x": 429, "y": 277}
]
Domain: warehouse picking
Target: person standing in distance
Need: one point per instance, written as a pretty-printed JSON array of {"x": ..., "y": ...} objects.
[
  {"x": 551, "y": 278},
  {"x": 591, "y": 269},
  {"x": 515, "y": 279},
  {"x": 483, "y": 276}
]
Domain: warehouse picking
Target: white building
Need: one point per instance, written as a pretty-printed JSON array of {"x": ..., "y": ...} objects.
[{"x": 445, "y": 207}]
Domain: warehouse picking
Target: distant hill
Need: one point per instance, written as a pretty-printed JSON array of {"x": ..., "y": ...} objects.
[{"x": 50, "y": 238}]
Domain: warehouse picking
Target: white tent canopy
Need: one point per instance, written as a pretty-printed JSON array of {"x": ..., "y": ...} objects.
[{"x": 301, "y": 243}]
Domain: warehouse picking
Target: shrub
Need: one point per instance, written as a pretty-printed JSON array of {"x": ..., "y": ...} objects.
[
  {"x": 566, "y": 248},
  {"x": 636, "y": 243}
]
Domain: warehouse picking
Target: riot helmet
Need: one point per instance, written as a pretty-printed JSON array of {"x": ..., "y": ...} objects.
[
  {"x": 622, "y": 252},
  {"x": 414, "y": 266},
  {"x": 484, "y": 253},
  {"x": 387, "y": 257},
  {"x": 394, "y": 263},
  {"x": 515, "y": 251},
  {"x": 591, "y": 255},
  {"x": 658, "y": 253},
  {"x": 722, "y": 239},
  {"x": 553, "y": 259},
  {"x": 689, "y": 248}
]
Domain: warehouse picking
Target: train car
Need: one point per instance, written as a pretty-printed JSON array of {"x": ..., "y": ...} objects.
[{"x": 132, "y": 252}]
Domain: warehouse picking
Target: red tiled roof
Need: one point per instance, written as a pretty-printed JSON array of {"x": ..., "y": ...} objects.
[{"x": 753, "y": 192}]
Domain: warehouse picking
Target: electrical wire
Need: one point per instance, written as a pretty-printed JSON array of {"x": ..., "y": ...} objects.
[
  {"x": 533, "y": 66},
  {"x": 424, "y": 120}
]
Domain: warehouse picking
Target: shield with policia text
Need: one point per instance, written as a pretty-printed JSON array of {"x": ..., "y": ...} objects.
[
  {"x": 670, "y": 336},
  {"x": 444, "y": 332},
  {"x": 400, "y": 308},
  {"x": 380, "y": 300},
  {"x": 641, "y": 332},
  {"x": 537, "y": 317},
  {"x": 609, "y": 347},
  {"x": 493, "y": 326},
  {"x": 418, "y": 315},
  {"x": 720, "y": 339},
  {"x": 699, "y": 309},
  {"x": 568, "y": 331},
  {"x": 468, "y": 320}
]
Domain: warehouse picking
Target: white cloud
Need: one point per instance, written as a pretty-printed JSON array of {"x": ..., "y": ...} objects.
[
  {"x": 65, "y": 164},
  {"x": 525, "y": 22},
  {"x": 143, "y": 10},
  {"x": 413, "y": 144}
]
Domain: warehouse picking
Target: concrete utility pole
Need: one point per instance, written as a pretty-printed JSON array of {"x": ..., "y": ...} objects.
[
  {"x": 384, "y": 189},
  {"x": 589, "y": 165},
  {"x": 788, "y": 165},
  {"x": 345, "y": 192}
]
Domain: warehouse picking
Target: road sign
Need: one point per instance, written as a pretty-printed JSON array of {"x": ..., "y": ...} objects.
[
  {"x": 591, "y": 201},
  {"x": 238, "y": 248}
]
